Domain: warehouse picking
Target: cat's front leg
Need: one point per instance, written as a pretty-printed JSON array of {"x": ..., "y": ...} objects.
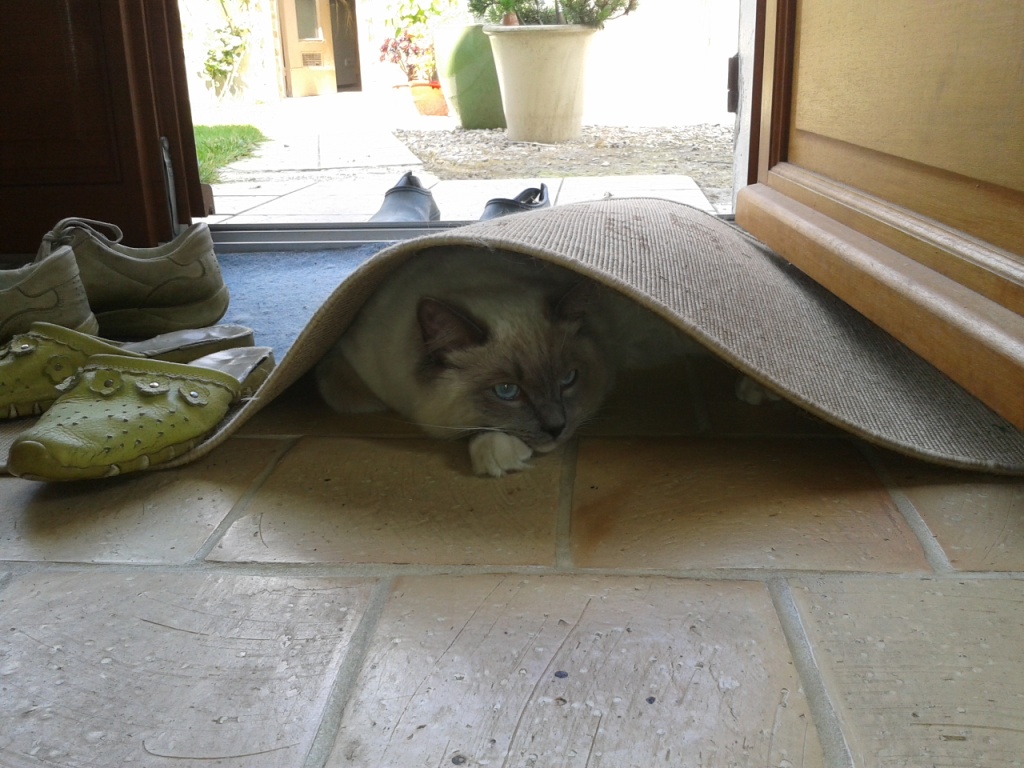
[{"x": 495, "y": 453}]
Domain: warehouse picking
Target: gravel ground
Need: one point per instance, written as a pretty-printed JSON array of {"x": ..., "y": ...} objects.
[{"x": 703, "y": 152}]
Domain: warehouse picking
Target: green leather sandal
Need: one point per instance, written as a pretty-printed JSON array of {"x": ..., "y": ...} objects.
[
  {"x": 34, "y": 363},
  {"x": 122, "y": 414}
]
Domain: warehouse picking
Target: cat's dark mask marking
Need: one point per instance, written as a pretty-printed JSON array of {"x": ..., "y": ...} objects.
[
  {"x": 446, "y": 328},
  {"x": 555, "y": 374}
]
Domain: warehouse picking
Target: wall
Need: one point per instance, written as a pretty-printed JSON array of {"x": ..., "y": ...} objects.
[{"x": 664, "y": 64}]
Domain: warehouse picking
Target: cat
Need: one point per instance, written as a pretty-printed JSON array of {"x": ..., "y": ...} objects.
[{"x": 512, "y": 351}]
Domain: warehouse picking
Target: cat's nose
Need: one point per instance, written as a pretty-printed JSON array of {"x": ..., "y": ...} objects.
[
  {"x": 555, "y": 430},
  {"x": 551, "y": 419}
]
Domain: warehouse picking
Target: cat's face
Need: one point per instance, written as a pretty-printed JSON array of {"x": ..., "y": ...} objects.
[{"x": 538, "y": 377}]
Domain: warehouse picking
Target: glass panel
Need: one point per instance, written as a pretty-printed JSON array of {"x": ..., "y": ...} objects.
[{"x": 306, "y": 21}]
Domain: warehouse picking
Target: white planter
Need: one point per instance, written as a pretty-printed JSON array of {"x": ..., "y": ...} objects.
[{"x": 540, "y": 71}]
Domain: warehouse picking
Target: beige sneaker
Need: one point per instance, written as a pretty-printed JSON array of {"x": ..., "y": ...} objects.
[
  {"x": 48, "y": 290},
  {"x": 141, "y": 292}
]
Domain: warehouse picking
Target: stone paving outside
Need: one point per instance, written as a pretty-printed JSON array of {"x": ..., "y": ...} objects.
[{"x": 332, "y": 158}]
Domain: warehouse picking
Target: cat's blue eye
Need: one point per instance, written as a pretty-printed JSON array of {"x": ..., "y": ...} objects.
[
  {"x": 569, "y": 379},
  {"x": 507, "y": 391}
]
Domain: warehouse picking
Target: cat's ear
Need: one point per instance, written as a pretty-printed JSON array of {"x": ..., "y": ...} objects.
[
  {"x": 576, "y": 303},
  {"x": 445, "y": 328}
]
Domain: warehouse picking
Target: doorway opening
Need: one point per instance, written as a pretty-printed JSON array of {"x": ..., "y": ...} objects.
[{"x": 342, "y": 131}]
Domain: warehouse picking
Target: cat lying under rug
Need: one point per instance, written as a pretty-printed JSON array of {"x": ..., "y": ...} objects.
[{"x": 514, "y": 352}]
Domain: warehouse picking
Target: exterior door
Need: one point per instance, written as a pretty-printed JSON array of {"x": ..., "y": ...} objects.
[
  {"x": 890, "y": 168},
  {"x": 91, "y": 89},
  {"x": 346, "y": 44}
]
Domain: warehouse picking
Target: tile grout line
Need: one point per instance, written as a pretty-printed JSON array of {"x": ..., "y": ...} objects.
[
  {"x": 340, "y": 570},
  {"x": 348, "y": 674},
  {"x": 241, "y": 506},
  {"x": 254, "y": 210},
  {"x": 830, "y": 731},
  {"x": 563, "y": 523},
  {"x": 934, "y": 554}
]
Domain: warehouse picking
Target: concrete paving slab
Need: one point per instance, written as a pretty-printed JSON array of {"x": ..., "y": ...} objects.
[
  {"x": 360, "y": 197},
  {"x": 266, "y": 187},
  {"x": 682, "y": 189},
  {"x": 234, "y": 204}
]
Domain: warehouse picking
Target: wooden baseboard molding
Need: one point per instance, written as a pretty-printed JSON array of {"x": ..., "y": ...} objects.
[
  {"x": 973, "y": 340},
  {"x": 985, "y": 269}
]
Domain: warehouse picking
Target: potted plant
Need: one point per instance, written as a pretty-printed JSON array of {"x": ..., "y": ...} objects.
[
  {"x": 416, "y": 60},
  {"x": 540, "y": 49}
]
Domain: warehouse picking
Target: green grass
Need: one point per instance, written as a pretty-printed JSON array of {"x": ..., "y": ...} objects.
[{"x": 220, "y": 145}]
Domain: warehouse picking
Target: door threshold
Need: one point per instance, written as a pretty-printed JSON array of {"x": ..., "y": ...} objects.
[
  {"x": 241, "y": 238},
  {"x": 236, "y": 238}
]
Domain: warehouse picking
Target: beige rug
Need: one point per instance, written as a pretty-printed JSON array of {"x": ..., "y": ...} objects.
[{"x": 729, "y": 293}]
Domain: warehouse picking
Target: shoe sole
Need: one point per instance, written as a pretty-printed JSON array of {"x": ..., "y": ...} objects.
[
  {"x": 31, "y": 452},
  {"x": 144, "y": 322}
]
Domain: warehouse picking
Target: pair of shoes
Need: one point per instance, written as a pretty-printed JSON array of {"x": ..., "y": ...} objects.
[
  {"x": 121, "y": 414},
  {"x": 531, "y": 199},
  {"x": 34, "y": 365},
  {"x": 407, "y": 201},
  {"x": 84, "y": 280}
]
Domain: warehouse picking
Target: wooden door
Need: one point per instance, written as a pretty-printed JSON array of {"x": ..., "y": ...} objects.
[
  {"x": 90, "y": 87},
  {"x": 890, "y": 168}
]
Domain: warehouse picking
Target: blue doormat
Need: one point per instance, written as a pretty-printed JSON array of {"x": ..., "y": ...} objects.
[{"x": 276, "y": 293}]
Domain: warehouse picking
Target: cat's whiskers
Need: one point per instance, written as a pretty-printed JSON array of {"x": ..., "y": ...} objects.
[
  {"x": 397, "y": 419},
  {"x": 460, "y": 429}
]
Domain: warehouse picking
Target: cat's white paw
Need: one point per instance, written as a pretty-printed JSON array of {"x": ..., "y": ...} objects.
[
  {"x": 752, "y": 393},
  {"x": 495, "y": 453}
]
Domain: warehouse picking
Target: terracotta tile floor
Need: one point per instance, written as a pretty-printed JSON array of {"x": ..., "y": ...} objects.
[{"x": 693, "y": 582}]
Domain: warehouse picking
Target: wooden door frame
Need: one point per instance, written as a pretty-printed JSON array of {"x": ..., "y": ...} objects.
[
  {"x": 774, "y": 32},
  {"x": 173, "y": 108},
  {"x": 950, "y": 297}
]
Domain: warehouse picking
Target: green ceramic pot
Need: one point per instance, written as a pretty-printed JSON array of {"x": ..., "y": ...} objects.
[{"x": 465, "y": 66}]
